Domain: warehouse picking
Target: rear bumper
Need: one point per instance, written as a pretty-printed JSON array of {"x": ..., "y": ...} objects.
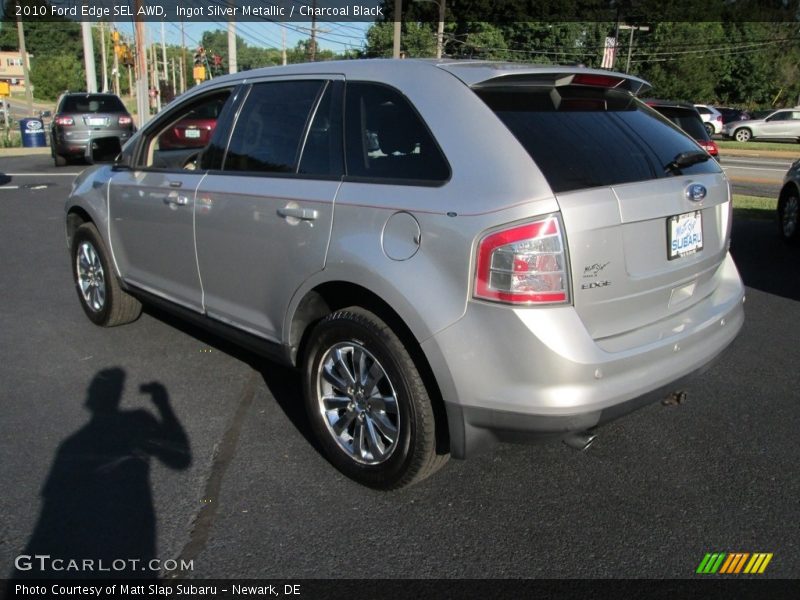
[
  {"x": 517, "y": 375},
  {"x": 76, "y": 144}
]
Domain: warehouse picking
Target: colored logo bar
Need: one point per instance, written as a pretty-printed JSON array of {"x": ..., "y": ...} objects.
[{"x": 734, "y": 563}]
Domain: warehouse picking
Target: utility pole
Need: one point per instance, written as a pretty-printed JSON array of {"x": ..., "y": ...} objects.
[
  {"x": 88, "y": 58},
  {"x": 283, "y": 46},
  {"x": 117, "y": 48},
  {"x": 313, "y": 49},
  {"x": 183, "y": 58},
  {"x": 440, "y": 30},
  {"x": 174, "y": 83},
  {"x": 630, "y": 41},
  {"x": 142, "y": 104},
  {"x": 233, "y": 66},
  {"x": 164, "y": 53},
  {"x": 26, "y": 68},
  {"x": 398, "y": 16},
  {"x": 103, "y": 55}
]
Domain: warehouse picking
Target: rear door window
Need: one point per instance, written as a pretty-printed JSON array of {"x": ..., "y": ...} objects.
[
  {"x": 269, "y": 130},
  {"x": 590, "y": 137}
]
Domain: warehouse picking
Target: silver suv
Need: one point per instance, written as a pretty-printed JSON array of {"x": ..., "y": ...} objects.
[
  {"x": 82, "y": 117},
  {"x": 452, "y": 253}
]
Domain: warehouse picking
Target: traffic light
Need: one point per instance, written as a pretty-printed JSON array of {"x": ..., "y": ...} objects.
[{"x": 199, "y": 56}]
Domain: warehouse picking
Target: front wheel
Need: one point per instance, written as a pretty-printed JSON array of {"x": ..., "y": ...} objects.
[
  {"x": 742, "y": 135},
  {"x": 100, "y": 295},
  {"x": 788, "y": 225},
  {"x": 367, "y": 402}
]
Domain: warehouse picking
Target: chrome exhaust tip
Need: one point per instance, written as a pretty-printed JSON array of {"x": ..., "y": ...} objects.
[{"x": 580, "y": 440}]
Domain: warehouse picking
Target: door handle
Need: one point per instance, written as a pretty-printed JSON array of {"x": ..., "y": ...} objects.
[
  {"x": 304, "y": 214},
  {"x": 175, "y": 184},
  {"x": 175, "y": 199}
]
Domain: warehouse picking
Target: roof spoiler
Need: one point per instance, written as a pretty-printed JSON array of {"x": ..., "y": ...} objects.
[{"x": 581, "y": 77}]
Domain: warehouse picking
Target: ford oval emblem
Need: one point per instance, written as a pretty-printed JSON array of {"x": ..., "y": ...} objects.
[{"x": 696, "y": 192}]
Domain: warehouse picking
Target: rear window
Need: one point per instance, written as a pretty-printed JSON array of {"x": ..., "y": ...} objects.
[
  {"x": 92, "y": 104},
  {"x": 591, "y": 137}
]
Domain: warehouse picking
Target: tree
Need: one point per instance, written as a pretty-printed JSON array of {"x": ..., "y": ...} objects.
[{"x": 52, "y": 75}]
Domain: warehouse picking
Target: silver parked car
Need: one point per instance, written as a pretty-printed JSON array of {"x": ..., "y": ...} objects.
[
  {"x": 782, "y": 124},
  {"x": 789, "y": 205},
  {"x": 452, "y": 253},
  {"x": 82, "y": 117}
]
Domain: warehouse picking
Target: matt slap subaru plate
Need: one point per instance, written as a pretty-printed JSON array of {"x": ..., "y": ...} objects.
[{"x": 684, "y": 234}]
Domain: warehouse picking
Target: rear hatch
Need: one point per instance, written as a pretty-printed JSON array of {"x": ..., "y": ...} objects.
[{"x": 646, "y": 212}]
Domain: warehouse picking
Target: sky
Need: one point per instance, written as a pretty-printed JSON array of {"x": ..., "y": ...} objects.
[{"x": 331, "y": 36}]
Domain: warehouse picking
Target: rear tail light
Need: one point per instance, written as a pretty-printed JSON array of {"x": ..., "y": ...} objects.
[
  {"x": 125, "y": 120},
  {"x": 710, "y": 146},
  {"x": 65, "y": 121},
  {"x": 523, "y": 265}
]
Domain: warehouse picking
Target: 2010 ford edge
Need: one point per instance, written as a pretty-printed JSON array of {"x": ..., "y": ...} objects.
[{"x": 453, "y": 253}]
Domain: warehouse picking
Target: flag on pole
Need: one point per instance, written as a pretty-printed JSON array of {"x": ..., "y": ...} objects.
[{"x": 609, "y": 53}]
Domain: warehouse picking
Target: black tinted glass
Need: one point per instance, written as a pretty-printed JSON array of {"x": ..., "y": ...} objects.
[
  {"x": 386, "y": 138},
  {"x": 322, "y": 153},
  {"x": 270, "y": 127},
  {"x": 685, "y": 118},
  {"x": 587, "y": 137},
  {"x": 92, "y": 104}
]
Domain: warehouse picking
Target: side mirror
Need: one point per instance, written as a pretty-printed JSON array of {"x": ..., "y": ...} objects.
[
  {"x": 103, "y": 150},
  {"x": 46, "y": 114}
]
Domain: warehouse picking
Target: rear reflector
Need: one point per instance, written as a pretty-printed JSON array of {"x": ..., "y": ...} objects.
[{"x": 523, "y": 265}]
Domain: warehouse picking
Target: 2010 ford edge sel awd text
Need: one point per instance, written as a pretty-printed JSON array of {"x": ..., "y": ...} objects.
[{"x": 453, "y": 253}]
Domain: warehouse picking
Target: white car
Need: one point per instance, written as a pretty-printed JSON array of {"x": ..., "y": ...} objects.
[
  {"x": 712, "y": 118},
  {"x": 782, "y": 124}
]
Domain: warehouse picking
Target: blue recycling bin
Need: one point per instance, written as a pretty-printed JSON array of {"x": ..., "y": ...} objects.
[{"x": 33, "y": 134}]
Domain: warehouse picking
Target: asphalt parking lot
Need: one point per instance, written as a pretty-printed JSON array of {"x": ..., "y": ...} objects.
[{"x": 237, "y": 486}]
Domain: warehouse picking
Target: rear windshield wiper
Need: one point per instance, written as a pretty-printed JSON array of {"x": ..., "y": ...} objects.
[{"x": 686, "y": 159}]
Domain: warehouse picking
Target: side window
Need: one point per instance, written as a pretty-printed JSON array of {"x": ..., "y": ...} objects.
[
  {"x": 386, "y": 139},
  {"x": 781, "y": 116},
  {"x": 322, "y": 152},
  {"x": 268, "y": 134},
  {"x": 177, "y": 143}
]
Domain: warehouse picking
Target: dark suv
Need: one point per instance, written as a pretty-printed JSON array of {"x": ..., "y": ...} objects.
[{"x": 81, "y": 117}]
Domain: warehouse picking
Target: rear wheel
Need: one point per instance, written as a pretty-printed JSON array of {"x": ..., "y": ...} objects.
[
  {"x": 367, "y": 402},
  {"x": 742, "y": 135},
  {"x": 100, "y": 295},
  {"x": 60, "y": 160},
  {"x": 788, "y": 226},
  {"x": 709, "y": 128}
]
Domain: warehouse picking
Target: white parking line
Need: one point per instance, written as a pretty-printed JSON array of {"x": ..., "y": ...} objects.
[
  {"x": 9, "y": 187},
  {"x": 724, "y": 168},
  {"x": 760, "y": 162},
  {"x": 41, "y": 174}
]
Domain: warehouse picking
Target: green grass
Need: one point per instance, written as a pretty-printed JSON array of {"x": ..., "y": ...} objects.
[
  {"x": 9, "y": 138},
  {"x": 755, "y": 146},
  {"x": 754, "y": 207}
]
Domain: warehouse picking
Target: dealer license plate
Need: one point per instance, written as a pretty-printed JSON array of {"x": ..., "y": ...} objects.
[
  {"x": 97, "y": 121},
  {"x": 684, "y": 234},
  {"x": 192, "y": 133}
]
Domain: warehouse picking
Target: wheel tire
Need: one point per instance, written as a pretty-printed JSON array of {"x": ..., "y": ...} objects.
[
  {"x": 788, "y": 219},
  {"x": 742, "y": 135},
  {"x": 369, "y": 350},
  {"x": 709, "y": 128},
  {"x": 60, "y": 160},
  {"x": 100, "y": 295}
]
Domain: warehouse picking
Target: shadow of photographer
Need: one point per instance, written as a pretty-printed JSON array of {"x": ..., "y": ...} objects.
[{"x": 97, "y": 500}]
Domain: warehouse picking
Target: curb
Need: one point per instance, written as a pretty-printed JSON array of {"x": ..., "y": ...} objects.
[
  {"x": 5, "y": 152},
  {"x": 760, "y": 153}
]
